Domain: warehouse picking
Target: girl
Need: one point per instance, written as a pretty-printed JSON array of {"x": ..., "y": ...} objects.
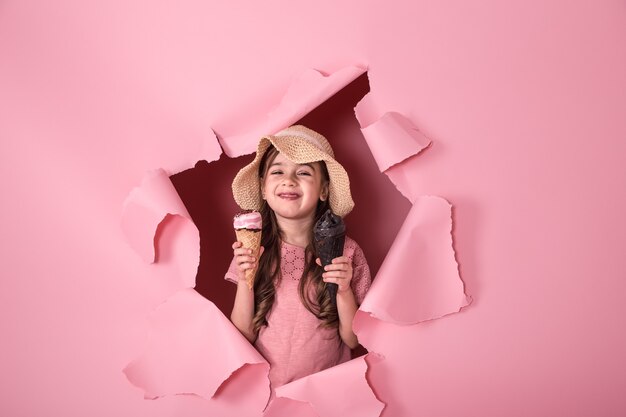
[{"x": 288, "y": 315}]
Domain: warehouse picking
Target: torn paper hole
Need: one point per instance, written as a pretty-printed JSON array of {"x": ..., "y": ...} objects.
[{"x": 386, "y": 300}]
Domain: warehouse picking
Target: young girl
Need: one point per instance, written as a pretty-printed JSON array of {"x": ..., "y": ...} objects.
[{"x": 288, "y": 315}]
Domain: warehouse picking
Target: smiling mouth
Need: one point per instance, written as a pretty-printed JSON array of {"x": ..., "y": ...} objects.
[{"x": 289, "y": 196}]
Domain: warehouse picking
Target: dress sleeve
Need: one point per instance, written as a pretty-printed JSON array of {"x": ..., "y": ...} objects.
[
  {"x": 361, "y": 276},
  {"x": 231, "y": 274}
]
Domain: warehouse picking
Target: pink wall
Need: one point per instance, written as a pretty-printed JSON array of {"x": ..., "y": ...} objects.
[{"x": 524, "y": 103}]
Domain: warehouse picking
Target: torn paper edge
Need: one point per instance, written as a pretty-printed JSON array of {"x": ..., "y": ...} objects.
[
  {"x": 302, "y": 383},
  {"x": 145, "y": 209},
  {"x": 210, "y": 149},
  {"x": 384, "y": 315},
  {"x": 154, "y": 201},
  {"x": 307, "y": 91},
  {"x": 379, "y": 133},
  {"x": 370, "y": 359},
  {"x": 156, "y": 197},
  {"x": 151, "y": 337},
  {"x": 407, "y": 139},
  {"x": 151, "y": 396}
]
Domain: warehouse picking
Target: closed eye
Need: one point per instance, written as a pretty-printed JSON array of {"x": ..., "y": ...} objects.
[{"x": 276, "y": 172}]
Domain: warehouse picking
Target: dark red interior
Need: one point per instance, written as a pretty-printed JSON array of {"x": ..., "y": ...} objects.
[{"x": 379, "y": 208}]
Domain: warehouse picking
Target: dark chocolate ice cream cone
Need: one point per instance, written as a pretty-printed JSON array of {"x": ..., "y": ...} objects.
[{"x": 328, "y": 239}]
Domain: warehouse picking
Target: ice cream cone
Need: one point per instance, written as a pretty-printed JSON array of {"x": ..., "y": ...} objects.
[
  {"x": 251, "y": 239},
  {"x": 329, "y": 235}
]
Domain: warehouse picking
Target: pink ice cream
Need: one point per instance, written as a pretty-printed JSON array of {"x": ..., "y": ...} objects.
[
  {"x": 248, "y": 227},
  {"x": 248, "y": 220}
]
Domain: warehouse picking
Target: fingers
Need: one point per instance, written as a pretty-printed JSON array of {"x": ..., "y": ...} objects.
[
  {"x": 336, "y": 275},
  {"x": 338, "y": 260},
  {"x": 242, "y": 251},
  {"x": 244, "y": 256},
  {"x": 239, "y": 250},
  {"x": 343, "y": 283},
  {"x": 341, "y": 260},
  {"x": 341, "y": 263},
  {"x": 338, "y": 272}
]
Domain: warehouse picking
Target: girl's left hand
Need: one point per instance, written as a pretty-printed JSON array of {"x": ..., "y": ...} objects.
[{"x": 339, "y": 272}]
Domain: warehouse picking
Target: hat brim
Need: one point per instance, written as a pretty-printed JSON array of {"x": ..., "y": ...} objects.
[{"x": 246, "y": 187}]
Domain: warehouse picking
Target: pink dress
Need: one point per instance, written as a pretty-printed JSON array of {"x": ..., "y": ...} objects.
[{"x": 292, "y": 343}]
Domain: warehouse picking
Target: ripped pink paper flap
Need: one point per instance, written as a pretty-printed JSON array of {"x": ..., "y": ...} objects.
[
  {"x": 307, "y": 91},
  {"x": 392, "y": 138},
  {"x": 145, "y": 208},
  {"x": 188, "y": 333},
  {"x": 419, "y": 278},
  {"x": 193, "y": 348},
  {"x": 341, "y": 391}
]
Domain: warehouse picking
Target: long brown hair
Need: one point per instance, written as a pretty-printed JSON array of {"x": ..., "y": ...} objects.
[{"x": 268, "y": 274}]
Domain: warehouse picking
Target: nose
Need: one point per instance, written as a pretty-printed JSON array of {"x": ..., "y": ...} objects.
[{"x": 289, "y": 180}]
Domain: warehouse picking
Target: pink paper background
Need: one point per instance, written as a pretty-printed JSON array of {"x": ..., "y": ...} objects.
[{"x": 525, "y": 104}]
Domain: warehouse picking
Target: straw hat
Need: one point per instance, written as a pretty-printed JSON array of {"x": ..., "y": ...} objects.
[{"x": 300, "y": 145}]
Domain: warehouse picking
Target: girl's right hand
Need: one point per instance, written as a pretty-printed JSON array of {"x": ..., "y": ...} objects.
[{"x": 244, "y": 259}]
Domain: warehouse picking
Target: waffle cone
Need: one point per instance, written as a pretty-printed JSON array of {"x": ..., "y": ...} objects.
[{"x": 251, "y": 239}]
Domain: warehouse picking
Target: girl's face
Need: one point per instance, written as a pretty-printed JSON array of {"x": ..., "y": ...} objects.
[{"x": 293, "y": 190}]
